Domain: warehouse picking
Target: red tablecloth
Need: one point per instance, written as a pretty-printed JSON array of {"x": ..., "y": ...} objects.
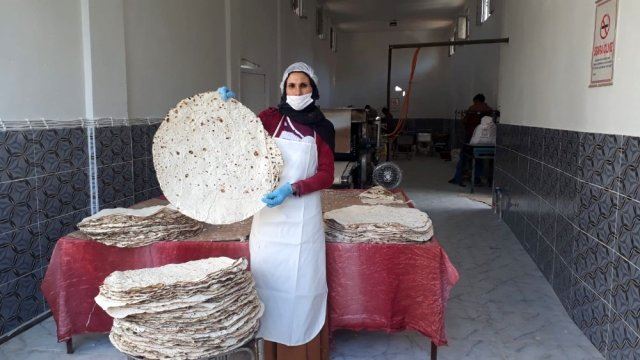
[{"x": 391, "y": 287}]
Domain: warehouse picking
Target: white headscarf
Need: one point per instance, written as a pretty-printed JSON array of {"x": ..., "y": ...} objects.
[{"x": 299, "y": 66}]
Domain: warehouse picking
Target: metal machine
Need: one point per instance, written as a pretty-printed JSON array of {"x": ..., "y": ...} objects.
[
  {"x": 388, "y": 175},
  {"x": 357, "y": 143}
]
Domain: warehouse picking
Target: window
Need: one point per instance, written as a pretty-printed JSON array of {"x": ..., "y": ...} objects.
[
  {"x": 452, "y": 48},
  {"x": 296, "y": 7},
  {"x": 462, "y": 27},
  {"x": 320, "y": 22},
  {"x": 333, "y": 39},
  {"x": 484, "y": 10}
]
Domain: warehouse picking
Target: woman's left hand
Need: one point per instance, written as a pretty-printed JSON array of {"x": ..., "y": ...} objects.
[
  {"x": 277, "y": 196},
  {"x": 226, "y": 93}
]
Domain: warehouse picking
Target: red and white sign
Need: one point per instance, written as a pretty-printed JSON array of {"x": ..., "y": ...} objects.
[{"x": 604, "y": 43}]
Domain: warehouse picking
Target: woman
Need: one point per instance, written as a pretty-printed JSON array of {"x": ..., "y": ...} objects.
[{"x": 287, "y": 237}]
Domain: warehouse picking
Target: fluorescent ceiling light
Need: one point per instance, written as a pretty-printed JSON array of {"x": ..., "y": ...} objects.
[{"x": 398, "y": 88}]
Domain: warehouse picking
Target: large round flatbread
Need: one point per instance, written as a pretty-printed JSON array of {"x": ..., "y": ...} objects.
[{"x": 214, "y": 160}]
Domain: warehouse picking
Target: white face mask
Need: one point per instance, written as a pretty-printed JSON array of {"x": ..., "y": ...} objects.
[{"x": 299, "y": 102}]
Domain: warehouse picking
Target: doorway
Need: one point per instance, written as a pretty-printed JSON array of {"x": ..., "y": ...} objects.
[{"x": 253, "y": 91}]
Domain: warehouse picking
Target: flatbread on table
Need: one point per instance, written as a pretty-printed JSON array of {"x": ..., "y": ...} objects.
[
  {"x": 377, "y": 224},
  {"x": 378, "y": 195},
  {"x": 214, "y": 160},
  {"x": 126, "y": 227}
]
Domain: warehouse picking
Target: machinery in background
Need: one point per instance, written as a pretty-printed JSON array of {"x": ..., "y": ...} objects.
[
  {"x": 358, "y": 146},
  {"x": 388, "y": 175}
]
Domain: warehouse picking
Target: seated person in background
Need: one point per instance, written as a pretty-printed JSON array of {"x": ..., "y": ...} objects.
[
  {"x": 474, "y": 113},
  {"x": 484, "y": 134}
]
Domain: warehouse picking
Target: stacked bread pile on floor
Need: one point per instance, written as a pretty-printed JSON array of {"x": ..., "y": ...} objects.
[
  {"x": 378, "y": 195},
  {"x": 193, "y": 310},
  {"x": 377, "y": 224},
  {"x": 124, "y": 227}
]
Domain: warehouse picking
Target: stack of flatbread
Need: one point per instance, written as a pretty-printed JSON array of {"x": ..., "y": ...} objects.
[
  {"x": 378, "y": 195},
  {"x": 214, "y": 160},
  {"x": 377, "y": 224},
  {"x": 193, "y": 310},
  {"x": 124, "y": 227}
]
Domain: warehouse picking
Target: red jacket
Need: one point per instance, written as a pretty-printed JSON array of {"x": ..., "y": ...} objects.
[{"x": 324, "y": 174}]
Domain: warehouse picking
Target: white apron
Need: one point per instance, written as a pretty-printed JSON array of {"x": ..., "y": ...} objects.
[{"x": 288, "y": 253}]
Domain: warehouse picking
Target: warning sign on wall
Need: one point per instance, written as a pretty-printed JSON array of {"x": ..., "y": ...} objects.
[{"x": 604, "y": 43}]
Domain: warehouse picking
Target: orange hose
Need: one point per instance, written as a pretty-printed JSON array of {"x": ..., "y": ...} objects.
[{"x": 404, "y": 111}]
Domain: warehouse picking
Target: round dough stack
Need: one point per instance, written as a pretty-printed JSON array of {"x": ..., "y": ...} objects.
[
  {"x": 193, "y": 310},
  {"x": 377, "y": 224},
  {"x": 123, "y": 227},
  {"x": 378, "y": 195},
  {"x": 214, "y": 161}
]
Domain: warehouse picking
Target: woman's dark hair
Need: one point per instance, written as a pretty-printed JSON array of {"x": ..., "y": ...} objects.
[{"x": 479, "y": 98}]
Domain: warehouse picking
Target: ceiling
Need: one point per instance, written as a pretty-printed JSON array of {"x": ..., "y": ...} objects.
[{"x": 374, "y": 15}]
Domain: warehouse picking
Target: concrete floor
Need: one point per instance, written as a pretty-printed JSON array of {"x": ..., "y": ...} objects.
[{"x": 502, "y": 308}]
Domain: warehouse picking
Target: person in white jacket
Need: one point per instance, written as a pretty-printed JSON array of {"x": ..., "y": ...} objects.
[{"x": 483, "y": 134}]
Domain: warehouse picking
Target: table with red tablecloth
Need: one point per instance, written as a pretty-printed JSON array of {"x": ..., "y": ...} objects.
[{"x": 390, "y": 287}]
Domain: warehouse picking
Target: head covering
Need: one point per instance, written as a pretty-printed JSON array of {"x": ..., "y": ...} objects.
[
  {"x": 310, "y": 116},
  {"x": 298, "y": 67}
]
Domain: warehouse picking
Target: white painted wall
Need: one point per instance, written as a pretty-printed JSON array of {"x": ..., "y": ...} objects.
[
  {"x": 474, "y": 68},
  {"x": 267, "y": 32},
  {"x": 300, "y": 43},
  {"x": 174, "y": 49},
  {"x": 545, "y": 70},
  {"x": 138, "y": 58},
  {"x": 257, "y": 33},
  {"x": 442, "y": 84},
  {"x": 107, "y": 76},
  {"x": 325, "y": 65},
  {"x": 362, "y": 71},
  {"x": 431, "y": 83},
  {"x": 297, "y": 34},
  {"x": 41, "y": 59}
]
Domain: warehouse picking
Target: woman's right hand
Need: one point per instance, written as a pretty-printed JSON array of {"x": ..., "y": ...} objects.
[{"x": 226, "y": 93}]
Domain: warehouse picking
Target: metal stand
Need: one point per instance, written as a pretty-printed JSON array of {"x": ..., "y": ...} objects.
[
  {"x": 434, "y": 351},
  {"x": 252, "y": 350},
  {"x": 69, "y": 346},
  {"x": 479, "y": 152}
]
